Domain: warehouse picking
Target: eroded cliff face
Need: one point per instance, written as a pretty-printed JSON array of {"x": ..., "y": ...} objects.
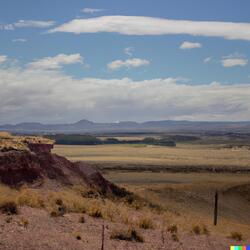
[{"x": 40, "y": 166}]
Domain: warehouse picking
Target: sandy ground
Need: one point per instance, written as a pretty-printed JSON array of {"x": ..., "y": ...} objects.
[{"x": 46, "y": 232}]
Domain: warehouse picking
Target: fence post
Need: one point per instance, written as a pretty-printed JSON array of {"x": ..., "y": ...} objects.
[
  {"x": 102, "y": 237},
  {"x": 215, "y": 207}
]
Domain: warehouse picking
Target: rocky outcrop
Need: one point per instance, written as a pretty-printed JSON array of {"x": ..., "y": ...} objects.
[
  {"x": 40, "y": 166},
  {"x": 40, "y": 148}
]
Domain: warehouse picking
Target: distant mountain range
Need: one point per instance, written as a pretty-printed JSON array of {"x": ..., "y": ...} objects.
[{"x": 85, "y": 126}]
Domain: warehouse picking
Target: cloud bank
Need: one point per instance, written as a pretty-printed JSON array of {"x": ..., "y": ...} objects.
[
  {"x": 38, "y": 94},
  {"x": 140, "y": 25}
]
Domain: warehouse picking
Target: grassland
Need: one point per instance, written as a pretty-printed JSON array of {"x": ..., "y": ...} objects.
[
  {"x": 187, "y": 194},
  {"x": 144, "y": 157}
]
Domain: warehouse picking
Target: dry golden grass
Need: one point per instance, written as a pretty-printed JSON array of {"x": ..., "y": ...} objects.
[
  {"x": 182, "y": 155},
  {"x": 8, "y": 141}
]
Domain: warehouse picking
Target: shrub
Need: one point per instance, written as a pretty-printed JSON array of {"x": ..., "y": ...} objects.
[
  {"x": 196, "y": 230},
  {"x": 205, "y": 230},
  {"x": 175, "y": 237},
  {"x": 9, "y": 207},
  {"x": 95, "y": 212},
  {"x": 59, "y": 211},
  {"x": 146, "y": 223},
  {"x": 8, "y": 219},
  {"x": 236, "y": 236},
  {"x": 130, "y": 235},
  {"x": 82, "y": 219},
  {"x": 78, "y": 237},
  {"x": 23, "y": 222},
  {"x": 172, "y": 229},
  {"x": 30, "y": 198}
]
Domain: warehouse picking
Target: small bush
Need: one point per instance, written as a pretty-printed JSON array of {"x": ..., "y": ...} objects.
[
  {"x": 59, "y": 202},
  {"x": 196, "y": 230},
  {"x": 78, "y": 237},
  {"x": 236, "y": 236},
  {"x": 174, "y": 237},
  {"x": 82, "y": 219},
  {"x": 8, "y": 219},
  {"x": 59, "y": 211},
  {"x": 23, "y": 222},
  {"x": 95, "y": 212},
  {"x": 205, "y": 230},
  {"x": 146, "y": 223},
  {"x": 9, "y": 207},
  {"x": 172, "y": 229},
  {"x": 130, "y": 235},
  {"x": 30, "y": 198}
]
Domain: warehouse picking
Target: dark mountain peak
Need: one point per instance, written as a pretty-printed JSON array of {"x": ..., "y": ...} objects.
[{"x": 84, "y": 122}]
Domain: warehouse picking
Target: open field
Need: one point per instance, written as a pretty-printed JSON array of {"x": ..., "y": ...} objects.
[
  {"x": 182, "y": 180},
  {"x": 157, "y": 158},
  {"x": 191, "y": 196}
]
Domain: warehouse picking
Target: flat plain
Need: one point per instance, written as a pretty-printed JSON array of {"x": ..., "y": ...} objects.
[{"x": 181, "y": 179}]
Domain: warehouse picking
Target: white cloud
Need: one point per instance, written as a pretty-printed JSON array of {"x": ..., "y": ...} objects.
[
  {"x": 190, "y": 45},
  {"x": 139, "y": 25},
  {"x": 129, "y": 63},
  {"x": 51, "y": 96},
  {"x": 33, "y": 24},
  {"x": 91, "y": 10},
  {"x": 56, "y": 62},
  {"x": 27, "y": 24},
  {"x": 22, "y": 40},
  {"x": 234, "y": 60},
  {"x": 207, "y": 60},
  {"x": 129, "y": 51},
  {"x": 3, "y": 59},
  {"x": 7, "y": 27}
]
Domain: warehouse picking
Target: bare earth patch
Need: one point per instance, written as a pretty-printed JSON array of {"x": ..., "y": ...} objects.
[{"x": 46, "y": 232}]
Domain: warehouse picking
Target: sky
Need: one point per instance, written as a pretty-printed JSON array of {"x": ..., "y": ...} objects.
[{"x": 116, "y": 60}]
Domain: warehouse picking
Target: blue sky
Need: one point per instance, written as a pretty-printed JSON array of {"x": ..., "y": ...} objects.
[{"x": 42, "y": 38}]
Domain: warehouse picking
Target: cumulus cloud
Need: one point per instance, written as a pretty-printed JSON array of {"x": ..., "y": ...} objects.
[
  {"x": 129, "y": 63},
  {"x": 51, "y": 96},
  {"x": 190, "y": 45},
  {"x": 91, "y": 10},
  {"x": 27, "y": 24},
  {"x": 234, "y": 60},
  {"x": 129, "y": 51},
  {"x": 140, "y": 25},
  {"x": 3, "y": 59},
  {"x": 56, "y": 62}
]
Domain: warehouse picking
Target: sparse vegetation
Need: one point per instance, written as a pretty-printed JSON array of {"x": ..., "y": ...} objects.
[
  {"x": 95, "y": 212},
  {"x": 23, "y": 222},
  {"x": 9, "y": 207},
  {"x": 175, "y": 237},
  {"x": 129, "y": 235},
  {"x": 196, "y": 229},
  {"x": 172, "y": 229},
  {"x": 145, "y": 223},
  {"x": 30, "y": 198},
  {"x": 82, "y": 219},
  {"x": 236, "y": 236}
]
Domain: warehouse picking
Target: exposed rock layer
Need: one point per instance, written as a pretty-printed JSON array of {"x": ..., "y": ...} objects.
[{"x": 38, "y": 165}]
